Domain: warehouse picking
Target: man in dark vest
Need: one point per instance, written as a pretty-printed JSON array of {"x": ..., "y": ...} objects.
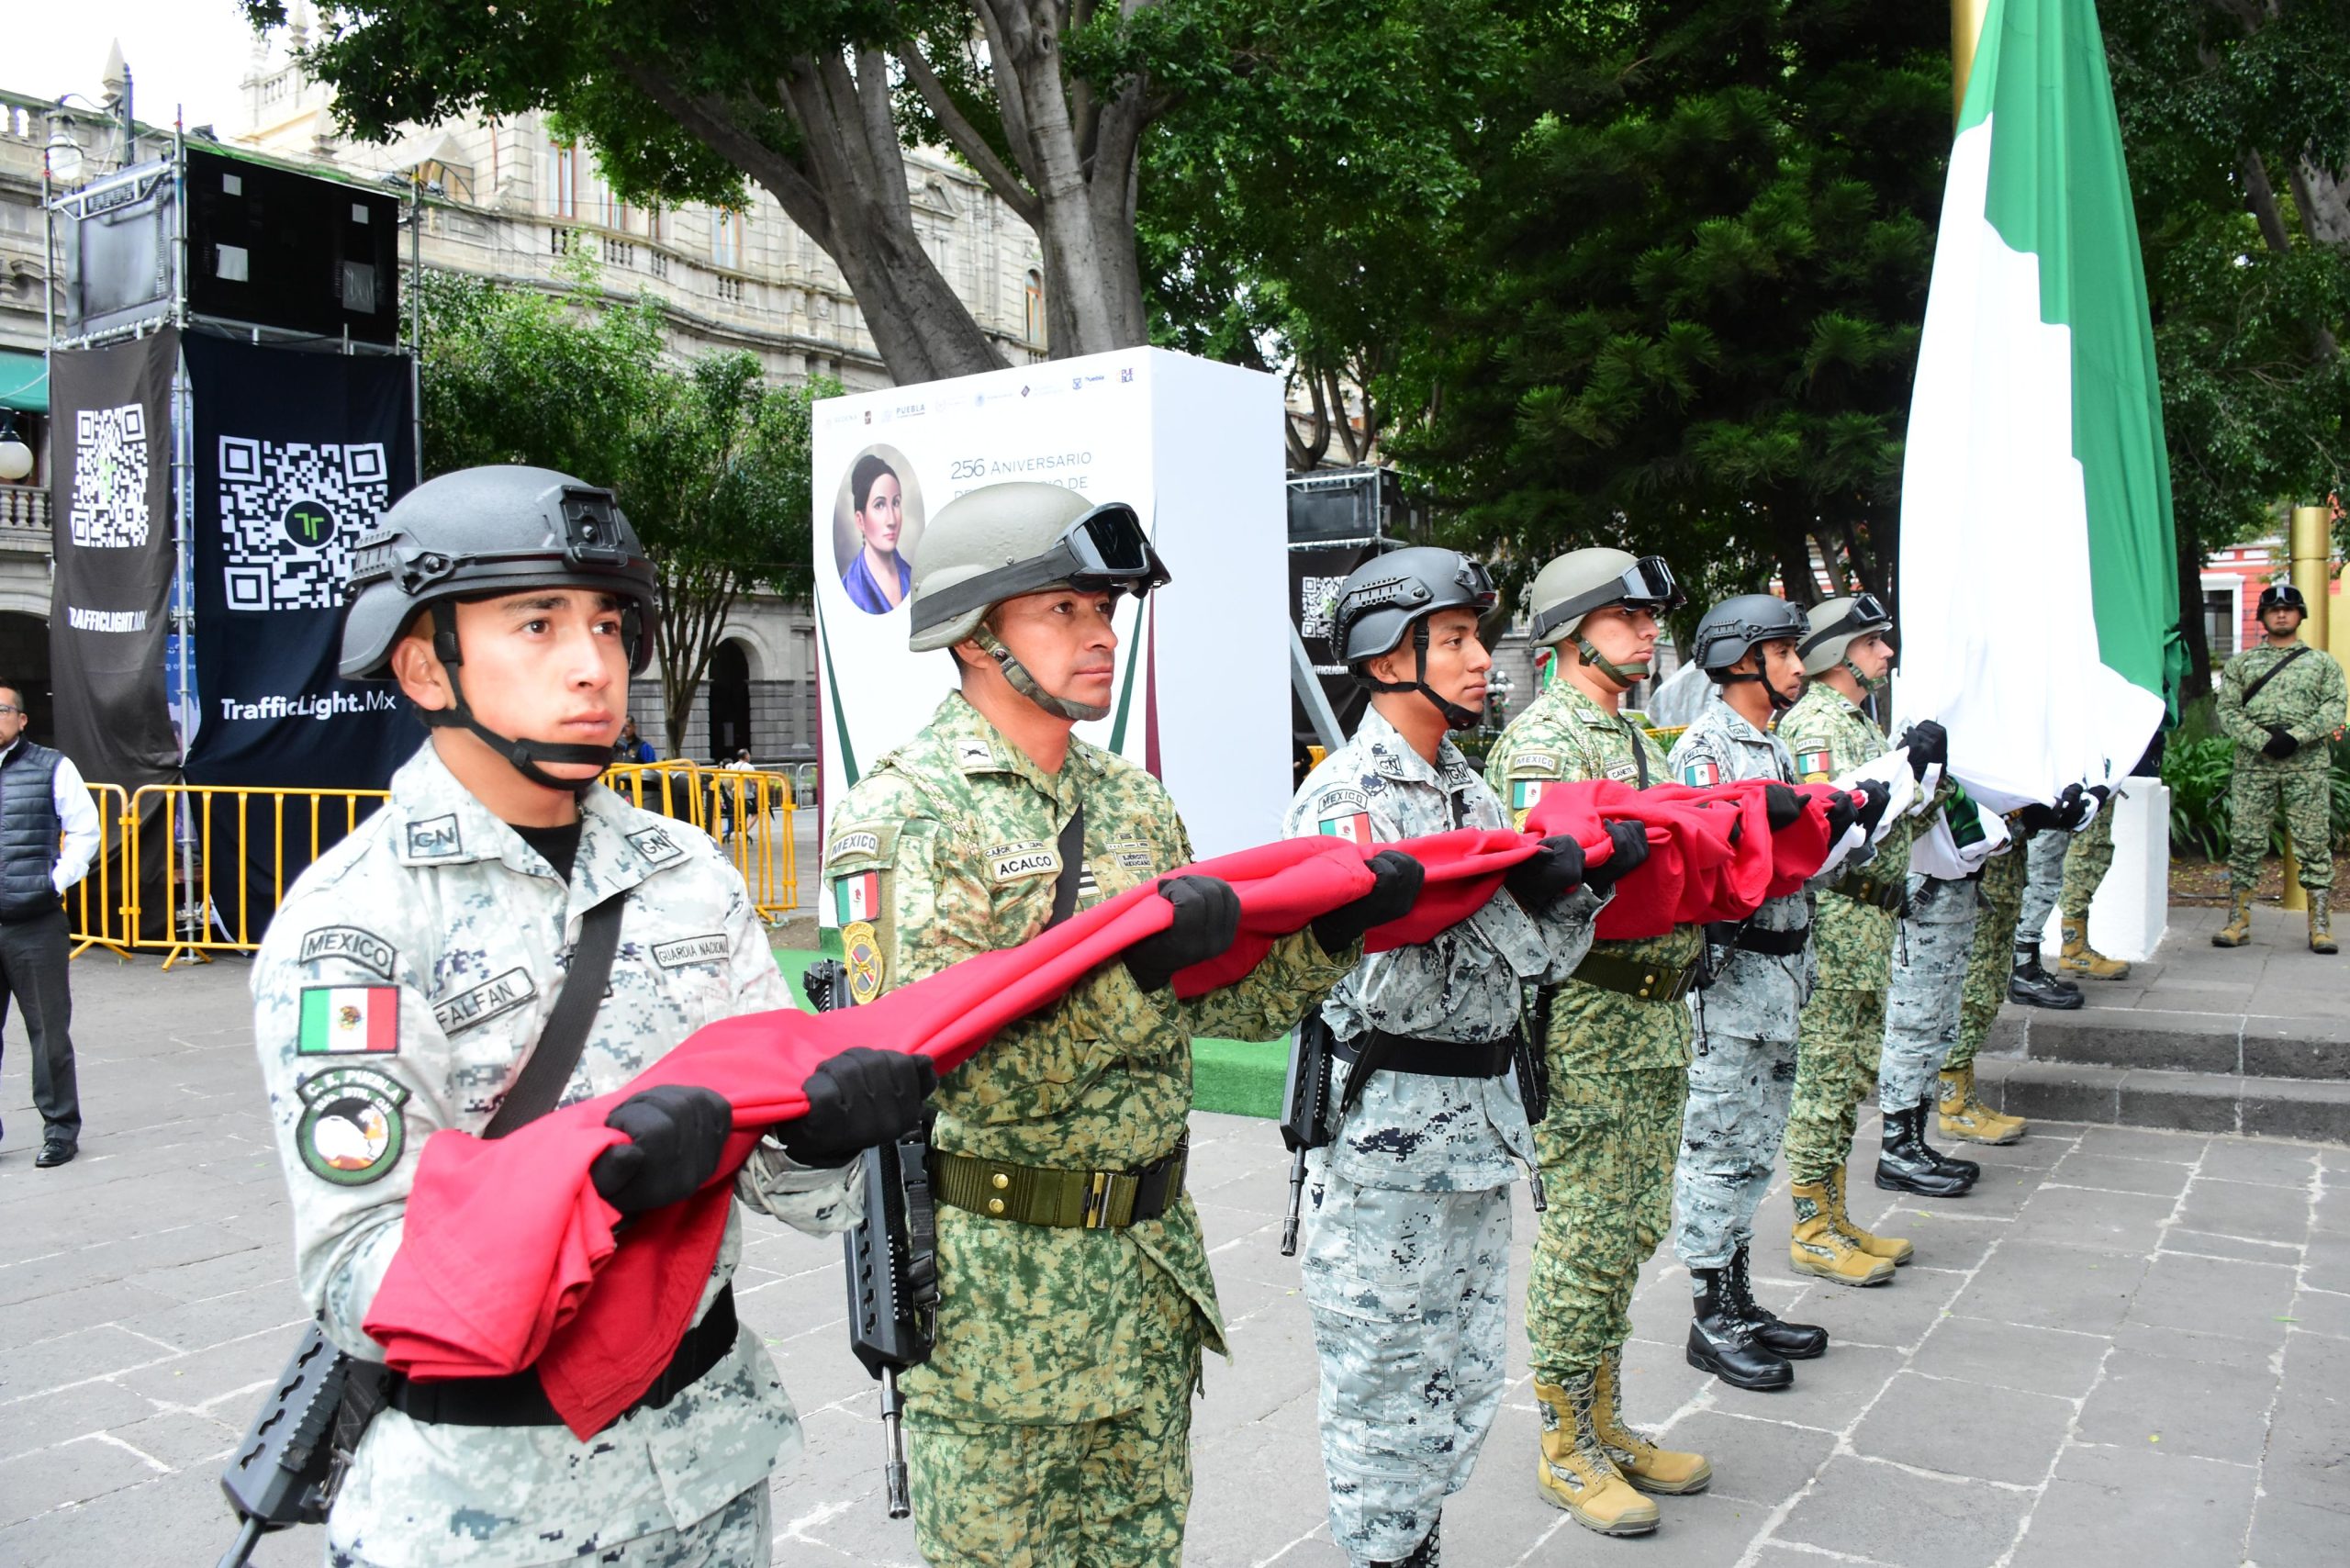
[{"x": 42, "y": 798}]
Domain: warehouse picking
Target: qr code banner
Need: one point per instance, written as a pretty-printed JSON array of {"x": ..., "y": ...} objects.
[
  {"x": 109, "y": 508},
  {"x": 1317, "y": 597},
  {"x": 290, "y": 513}
]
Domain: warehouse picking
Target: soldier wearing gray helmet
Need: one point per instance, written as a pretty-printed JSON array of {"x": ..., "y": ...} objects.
[
  {"x": 411, "y": 971},
  {"x": 1407, "y": 1230},
  {"x": 1747, "y": 1013}
]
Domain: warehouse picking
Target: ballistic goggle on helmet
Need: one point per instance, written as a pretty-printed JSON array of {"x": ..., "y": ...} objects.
[
  {"x": 1836, "y": 624},
  {"x": 1002, "y": 540},
  {"x": 2281, "y": 596},
  {"x": 1584, "y": 580}
]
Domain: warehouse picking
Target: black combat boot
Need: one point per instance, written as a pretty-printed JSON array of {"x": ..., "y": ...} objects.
[
  {"x": 2035, "y": 987},
  {"x": 1428, "y": 1554},
  {"x": 1725, "y": 1344},
  {"x": 1904, "y": 1163},
  {"x": 1795, "y": 1341}
]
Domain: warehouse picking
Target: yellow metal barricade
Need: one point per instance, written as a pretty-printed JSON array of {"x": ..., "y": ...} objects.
[
  {"x": 748, "y": 811},
  {"x": 198, "y": 833},
  {"x": 100, "y": 908}
]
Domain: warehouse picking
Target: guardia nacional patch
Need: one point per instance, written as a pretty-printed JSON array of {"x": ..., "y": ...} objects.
[
  {"x": 353, "y": 1130},
  {"x": 861, "y": 955}
]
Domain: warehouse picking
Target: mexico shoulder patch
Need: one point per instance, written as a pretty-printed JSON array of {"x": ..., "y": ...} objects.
[
  {"x": 861, "y": 956},
  {"x": 349, "y": 1019},
  {"x": 856, "y": 896},
  {"x": 1815, "y": 764},
  {"x": 1352, "y": 826},
  {"x": 1524, "y": 792},
  {"x": 352, "y": 1131},
  {"x": 1703, "y": 772}
]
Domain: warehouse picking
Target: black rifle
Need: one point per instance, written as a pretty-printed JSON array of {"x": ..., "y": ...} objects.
[
  {"x": 893, "y": 1256},
  {"x": 1305, "y": 1111},
  {"x": 293, "y": 1459}
]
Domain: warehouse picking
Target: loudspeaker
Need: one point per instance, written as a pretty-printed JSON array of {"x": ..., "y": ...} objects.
[{"x": 275, "y": 248}]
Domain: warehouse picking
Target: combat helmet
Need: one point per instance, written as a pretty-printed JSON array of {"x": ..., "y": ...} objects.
[
  {"x": 2282, "y": 595},
  {"x": 1584, "y": 580},
  {"x": 1733, "y": 628},
  {"x": 477, "y": 534},
  {"x": 1002, "y": 540},
  {"x": 1836, "y": 624},
  {"x": 1398, "y": 592}
]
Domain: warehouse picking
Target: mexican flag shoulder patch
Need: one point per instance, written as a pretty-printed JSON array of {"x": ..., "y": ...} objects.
[{"x": 349, "y": 1019}]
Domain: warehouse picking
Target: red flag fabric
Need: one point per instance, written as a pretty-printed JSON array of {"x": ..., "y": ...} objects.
[{"x": 503, "y": 1240}]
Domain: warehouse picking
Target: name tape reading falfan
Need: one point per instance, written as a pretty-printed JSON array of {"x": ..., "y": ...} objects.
[{"x": 500, "y": 994}]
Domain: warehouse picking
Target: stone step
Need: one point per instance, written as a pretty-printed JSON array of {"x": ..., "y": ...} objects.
[
  {"x": 2146, "y": 1034},
  {"x": 2313, "y": 1110}
]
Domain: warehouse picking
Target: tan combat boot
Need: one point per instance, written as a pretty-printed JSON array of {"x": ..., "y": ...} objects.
[
  {"x": 2322, "y": 924},
  {"x": 1819, "y": 1248},
  {"x": 2079, "y": 959},
  {"x": 1887, "y": 1247},
  {"x": 2238, "y": 930},
  {"x": 1637, "y": 1457},
  {"x": 1576, "y": 1473},
  {"x": 1965, "y": 1116}
]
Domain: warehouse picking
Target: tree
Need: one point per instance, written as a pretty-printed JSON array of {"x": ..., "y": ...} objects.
[
  {"x": 710, "y": 466},
  {"x": 2235, "y": 116},
  {"x": 1689, "y": 323}
]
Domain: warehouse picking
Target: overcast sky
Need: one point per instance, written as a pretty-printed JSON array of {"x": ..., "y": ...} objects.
[{"x": 181, "y": 52}]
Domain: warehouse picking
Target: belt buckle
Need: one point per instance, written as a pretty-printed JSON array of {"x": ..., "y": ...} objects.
[{"x": 1095, "y": 1213}]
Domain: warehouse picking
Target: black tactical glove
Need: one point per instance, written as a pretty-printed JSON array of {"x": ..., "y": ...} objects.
[
  {"x": 1781, "y": 806},
  {"x": 1631, "y": 847},
  {"x": 675, "y": 1134},
  {"x": 2281, "y": 744},
  {"x": 1875, "y": 796},
  {"x": 2071, "y": 809},
  {"x": 1843, "y": 812},
  {"x": 1207, "y": 917},
  {"x": 1397, "y": 888},
  {"x": 1553, "y": 870},
  {"x": 1928, "y": 745},
  {"x": 858, "y": 1099}
]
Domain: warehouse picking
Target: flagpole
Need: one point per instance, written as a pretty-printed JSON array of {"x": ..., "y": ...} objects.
[{"x": 1965, "y": 32}]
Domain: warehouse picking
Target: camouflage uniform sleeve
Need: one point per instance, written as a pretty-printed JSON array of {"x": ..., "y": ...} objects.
[
  {"x": 2228, "y": 701},
  {"x": 808, "y": 1198},
  {"x": 347, "y": 1052},
  {"x": 2325, "y": 712},
  {"x": 1700, "y": 748},
  {"x": 1566, "y": 928},
  {"x": 1519, "y": 771}
]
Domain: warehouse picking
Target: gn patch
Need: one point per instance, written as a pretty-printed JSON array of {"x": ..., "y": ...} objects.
[
  {"x": 655, "y": 845},
  {"x": 352, "y": 1129},
  {"x": 502, "y": 993},
  {"x": 712, "y": 948},
  {"x": 435, "y": 838}
]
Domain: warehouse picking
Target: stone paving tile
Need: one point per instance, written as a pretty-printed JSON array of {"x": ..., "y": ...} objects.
[{"x": 2100, "y": 1287}]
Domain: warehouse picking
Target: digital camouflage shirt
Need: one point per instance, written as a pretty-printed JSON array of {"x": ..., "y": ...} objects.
[
  {"x": 2305, "y": 698},
  {"x": 1410, "y": 1130},
  {"x": 1563, "y": 735},
  {"x": 1754, "y": 996},
  {"x": 402, "y": 987},
  {"x": 945, "y": 849}
]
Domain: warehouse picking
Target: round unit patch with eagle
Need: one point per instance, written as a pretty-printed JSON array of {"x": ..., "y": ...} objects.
[{"x": 352, "y": 1131}]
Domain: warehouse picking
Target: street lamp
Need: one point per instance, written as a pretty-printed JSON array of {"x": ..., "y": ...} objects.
[{"x": 16, "y": 457}]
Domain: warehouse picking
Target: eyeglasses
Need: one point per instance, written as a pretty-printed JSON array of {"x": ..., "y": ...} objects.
[{"x": 5, "y": 708}]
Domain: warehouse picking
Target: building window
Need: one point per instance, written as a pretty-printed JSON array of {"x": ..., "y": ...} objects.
[
  {"x": 563, "y": 180},
  {"x": 1035, "y": 322},
  {"x": 726, "y": 239},
  {"x": 2221, "y": 618}
]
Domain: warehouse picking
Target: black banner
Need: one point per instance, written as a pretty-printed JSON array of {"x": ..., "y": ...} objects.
[
  {"x": 1314, "y": 579},
  {"x": 111, "y": 501},
  {"x": 297, "y": 455}
]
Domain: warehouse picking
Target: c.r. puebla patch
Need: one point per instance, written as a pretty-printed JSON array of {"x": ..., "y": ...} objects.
[
  {"x": 861, "y": 951},
  {"x": 352, "y": 1131}
]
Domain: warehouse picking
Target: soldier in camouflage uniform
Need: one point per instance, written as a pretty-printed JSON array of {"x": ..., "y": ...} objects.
[
  {"x": 1407, "y": 1229},
  {"x": 1617, "y": 1043},
  {"x": 2087, "y": 858},
  {"x": 2281, "y": 702},
  {"x": 1051, "y": 1425},
  {"x": 412, "y": 967},
  {"x": 2030, "y": 983},
  {"x": 1746, "y": 1014}
]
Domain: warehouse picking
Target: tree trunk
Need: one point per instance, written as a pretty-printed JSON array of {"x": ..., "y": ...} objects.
[{"x": 2197, "y": 681}]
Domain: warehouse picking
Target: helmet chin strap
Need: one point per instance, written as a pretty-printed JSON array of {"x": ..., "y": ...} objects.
[
  {"x": 1623, "y": 675},
  {"x": 1016, "y": 676},
  {"x": 1868, "y": 683},
  {"x": 523, "y": 756},
  {"x": 1455, "y": 716},
  {"x": 1779, "y": 703}
]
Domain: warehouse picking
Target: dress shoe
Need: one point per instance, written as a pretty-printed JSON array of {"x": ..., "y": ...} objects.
[{"x": 54, "y": 1153}]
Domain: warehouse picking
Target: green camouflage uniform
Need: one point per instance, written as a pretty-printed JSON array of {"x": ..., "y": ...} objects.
[
  {"x": 1843, "y": 1023},
  {"x": 2087, "y": 861},
  {"x": 1052, "y": 1422},
  {"x": 402, "y": 985},
  {"x": 2306, "y": 699},
  {"x": 1991, "y": 958},
  {"x": 1619, "y": 1071}
]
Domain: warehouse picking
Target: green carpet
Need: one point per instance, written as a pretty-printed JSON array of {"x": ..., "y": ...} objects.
[{"x": 1239, "y": 1077}]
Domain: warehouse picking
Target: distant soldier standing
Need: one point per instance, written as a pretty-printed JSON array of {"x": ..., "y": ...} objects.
[
  {"x": 1408, "y": 1232},
  {"x": 2281, "y": 703},
  {"x": 1747, "y": 1014},
  {"x": 2088, "y": 858},
  {"x": 1051, "y": 1425},
  {"x": 1846, "y": 652},
  {"x": 1618, "y": 1049}
]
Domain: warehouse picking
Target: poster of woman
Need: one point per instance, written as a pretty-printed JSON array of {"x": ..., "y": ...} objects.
[{"x": 879, "y": 506}]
